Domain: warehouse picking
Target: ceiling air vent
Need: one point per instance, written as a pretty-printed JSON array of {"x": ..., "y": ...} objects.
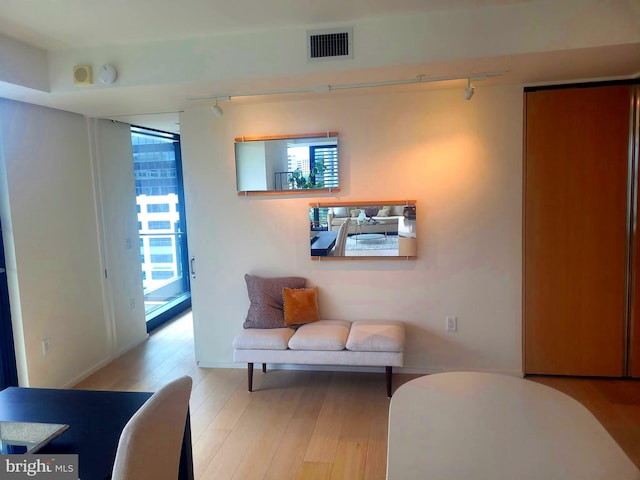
[{"x": 326, "y": 44}]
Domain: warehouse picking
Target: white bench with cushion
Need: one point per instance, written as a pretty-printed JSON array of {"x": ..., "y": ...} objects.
[{"x": 324, "y": 342}]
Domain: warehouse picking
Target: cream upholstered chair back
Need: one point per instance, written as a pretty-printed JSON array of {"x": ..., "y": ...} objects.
[
  {"x": 151, "y": 441},
  {"x": 341, "y": 239}
]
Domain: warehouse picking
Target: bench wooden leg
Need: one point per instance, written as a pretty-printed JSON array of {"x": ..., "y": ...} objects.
[
  {"x": 264, "y": 368},
  {"x": 388, "y": 375},
  {"x": 250, "y": 376}
]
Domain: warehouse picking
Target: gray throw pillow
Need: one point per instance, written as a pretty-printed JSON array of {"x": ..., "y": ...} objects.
[
  {"x": 265, "y": 294},
  {"x": 340, "y": 212},
  {"x": 371, "y": 211}
]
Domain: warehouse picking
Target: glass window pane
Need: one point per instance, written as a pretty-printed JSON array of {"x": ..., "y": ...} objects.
[{"x": 163, "y": 247}]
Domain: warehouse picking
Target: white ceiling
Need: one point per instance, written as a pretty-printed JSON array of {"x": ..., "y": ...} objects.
[
  {"x": 64, "y": 24},
  {"x": 169, "y": 51}
]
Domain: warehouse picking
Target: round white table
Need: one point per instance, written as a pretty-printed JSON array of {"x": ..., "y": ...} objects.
[{"x": 482, "y": 426}]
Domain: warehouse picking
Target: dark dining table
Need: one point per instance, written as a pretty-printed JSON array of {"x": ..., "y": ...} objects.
[
  {"x": 322, "y": 243},
  {"x": 96, "y": 420}
]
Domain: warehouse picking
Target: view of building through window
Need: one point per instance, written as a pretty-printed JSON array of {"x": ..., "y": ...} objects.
[
  {"x": 317, "y": 163},
  {"x": 298, "y": 159},
  {"x": 161, "y": 223}
]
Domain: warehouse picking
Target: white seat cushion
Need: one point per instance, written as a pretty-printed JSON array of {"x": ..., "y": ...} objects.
[
  {"x": 376, "y": 337},
  {"x": 263, "y": 339},
  {"x": 321, "y": 335}
]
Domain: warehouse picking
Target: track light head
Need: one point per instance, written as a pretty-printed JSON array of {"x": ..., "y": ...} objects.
[
  {"x": 217, "y": 111},
  {"x": 469, "y": 91}
]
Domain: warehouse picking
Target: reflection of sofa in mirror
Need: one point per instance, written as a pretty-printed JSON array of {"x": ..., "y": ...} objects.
[
  {"x": 366, "y": 219},
  {"x": 363, "y": 229}
]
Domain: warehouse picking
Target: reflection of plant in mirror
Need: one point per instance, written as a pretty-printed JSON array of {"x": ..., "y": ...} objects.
[{"x": 298, "y": 180}]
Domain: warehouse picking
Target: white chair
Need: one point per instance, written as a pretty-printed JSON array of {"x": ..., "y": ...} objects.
[
  {"x": 341, "y": 239},
  {"x": 151, "y": 442}
]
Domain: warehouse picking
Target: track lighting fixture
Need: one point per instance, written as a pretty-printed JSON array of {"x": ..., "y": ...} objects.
[
  {"x": 217, "y": 111},
  {"x": 469, "y": 91}
]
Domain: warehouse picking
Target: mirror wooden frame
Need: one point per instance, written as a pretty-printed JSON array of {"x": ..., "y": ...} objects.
[
  {"x": 301, "y": 191},
  {"x": 328, "y": 236}
]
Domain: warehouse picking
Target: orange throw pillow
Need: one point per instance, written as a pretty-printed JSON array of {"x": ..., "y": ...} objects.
[{"x": 300, "y": 305}]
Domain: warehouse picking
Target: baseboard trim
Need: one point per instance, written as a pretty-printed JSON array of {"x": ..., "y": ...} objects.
[
  {"x": 103, "y": 363},
  {"x": 87, "y": 373},
  {"x": 132, "y": 345}
]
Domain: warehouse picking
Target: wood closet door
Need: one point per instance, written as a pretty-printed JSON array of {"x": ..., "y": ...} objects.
[
  {"x": 634, "y": 330},
  {"x": 575, "y": 213}
]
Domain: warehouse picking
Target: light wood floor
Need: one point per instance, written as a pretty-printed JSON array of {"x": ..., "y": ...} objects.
[
  {"x": 614, "y": 402},
  {"x": 308, "y": 425}
]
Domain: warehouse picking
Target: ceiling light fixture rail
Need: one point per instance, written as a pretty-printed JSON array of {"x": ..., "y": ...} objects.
[{"x": 347, "y": 86}]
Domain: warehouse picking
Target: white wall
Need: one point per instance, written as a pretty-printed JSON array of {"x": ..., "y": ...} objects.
[
  {"x": 276, "y": 160},
  {"x": 251, "y": 170},
  {"x": 119, "y": 230},
  {"x": 23, "y": 64},
  {"x": 53, "y": 233},
  {"x": 461, "y": 161},
  {"x": 50, "y": 226}
]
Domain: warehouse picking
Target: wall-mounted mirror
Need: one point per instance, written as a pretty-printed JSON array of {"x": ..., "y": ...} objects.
[
  {"x": 363, "y": 229},
  {"x": 287, "y": 163}
]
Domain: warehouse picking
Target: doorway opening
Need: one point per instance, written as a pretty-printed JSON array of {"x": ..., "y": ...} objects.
[{"x": 161, "y": 224}]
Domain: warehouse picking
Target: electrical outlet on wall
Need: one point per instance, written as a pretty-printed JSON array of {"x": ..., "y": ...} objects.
[{"x": 452, "y": 324}]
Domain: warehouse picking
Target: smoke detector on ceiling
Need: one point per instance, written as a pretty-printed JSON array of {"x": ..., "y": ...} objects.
[
  {"x": 330, "y": 43},
  {"x": 108, "y": 75}
]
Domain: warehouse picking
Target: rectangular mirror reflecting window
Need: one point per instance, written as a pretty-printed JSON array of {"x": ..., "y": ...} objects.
[
  {"x": 287, "y": 164},
  {"x": 363, "y": 229}
]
